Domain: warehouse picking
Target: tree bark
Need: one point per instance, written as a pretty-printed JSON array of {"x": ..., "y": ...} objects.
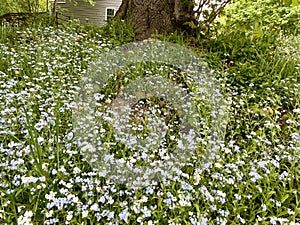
[{"x": 155, "y": 16}]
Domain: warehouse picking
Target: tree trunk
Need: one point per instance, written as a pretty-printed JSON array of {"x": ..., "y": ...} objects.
[{"x": 155, "y": 16}]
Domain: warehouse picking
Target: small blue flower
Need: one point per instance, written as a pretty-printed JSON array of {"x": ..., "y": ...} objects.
[{"x": 124, "y": 215}]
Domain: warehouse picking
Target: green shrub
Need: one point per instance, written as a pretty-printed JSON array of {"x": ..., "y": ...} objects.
[
  {"x": 119, "y": 32},
  {"x": 247, "y": 59},
  {"x": 42, "y": 20},
  {"x": 264, "y": 15}
]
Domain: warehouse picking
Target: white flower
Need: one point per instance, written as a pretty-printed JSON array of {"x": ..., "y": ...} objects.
[
  {"x": 95, "y": 207},
  {"x": 40, "y": 139},
  {"x": 70, "y": 136},
  {"x": 218, "y": 165},
  {"x": 70, "y": 215},
  {"x": 75, "y": 199},
  {"x": 291, "y": 212},
  {"x": 296, "y": 110},
  {"x": 76, "y": 170},
  {"x": 108, "y": 101},
  {"x": 197, "y": 177},
  {"x": 85, "y": 213},
  {"x": 49, "y": 214},
  {"x": 264, "y": 207},
  {"x": 293, "y": 223},
  {"x": 289, "y": 121},
  {"x": 50, "y": 196},
  {"x": 269, "y": 124},
  {"x": 136, "y": 207},
  {"x": 28, "y": 214},
  {"x": 27, "y": 180},
  {"x": 183, "y": 201},
  {"x": 124, "y": 215},
  {"x": 25, "y": 219},
  {"x": 110, "y": 200}
]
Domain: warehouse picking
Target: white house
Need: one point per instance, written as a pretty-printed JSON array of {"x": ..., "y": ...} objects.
[{"x": 86, "y": 13}]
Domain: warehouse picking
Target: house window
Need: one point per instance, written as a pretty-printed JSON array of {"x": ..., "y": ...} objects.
[{"x": 109, "y": 14}]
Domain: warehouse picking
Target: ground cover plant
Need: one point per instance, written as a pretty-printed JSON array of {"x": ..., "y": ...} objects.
[{"x": 254, "y": 178}]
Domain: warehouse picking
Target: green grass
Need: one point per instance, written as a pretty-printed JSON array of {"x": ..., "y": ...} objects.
[{"x": 253, "y": 178}]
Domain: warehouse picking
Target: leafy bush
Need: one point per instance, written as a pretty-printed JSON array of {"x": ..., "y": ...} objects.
[
  {"x": 7, "y": 6},
  {"x": 264, "y": 15},
  {"x": 247, "y": 59},
  {"x": 119, "y": 32}
]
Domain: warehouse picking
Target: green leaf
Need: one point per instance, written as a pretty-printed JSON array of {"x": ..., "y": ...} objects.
[
  {"x": 285, "y": 198},
  {"x": 295, "y": 3}
]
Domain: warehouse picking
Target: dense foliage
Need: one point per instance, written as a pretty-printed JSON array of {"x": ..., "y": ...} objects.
[
  {"x": 9, "y": 6},
  {"x": 264, "y": 15}
]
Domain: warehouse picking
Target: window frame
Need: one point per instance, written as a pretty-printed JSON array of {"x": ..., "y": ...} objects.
[{"x": 109, "y": 17}]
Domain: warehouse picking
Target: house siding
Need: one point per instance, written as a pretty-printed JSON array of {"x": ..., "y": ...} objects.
[{"x": 83, "y": 11}]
